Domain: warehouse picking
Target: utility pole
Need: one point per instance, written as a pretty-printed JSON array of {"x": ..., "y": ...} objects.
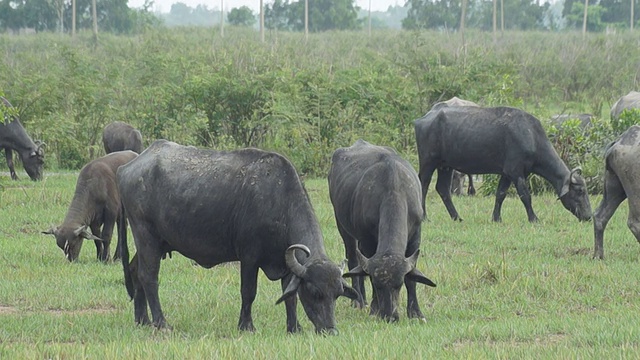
[
  {"x": 221, "y": 18},
  {"x": 73, "y": 18},
  {"x": 495, "y": 21},
  {"x": 631, "y": 22},
  {"x": 94, "y": 15},
  {"x": 261, "y": 21},
  {"x": 369, "y": 17},
  {"x": 306, "y": 20},
  {"x": 584, "y": 18}
]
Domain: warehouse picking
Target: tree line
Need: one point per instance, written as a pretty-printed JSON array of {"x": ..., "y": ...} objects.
[{"x": 115, "y": 16}]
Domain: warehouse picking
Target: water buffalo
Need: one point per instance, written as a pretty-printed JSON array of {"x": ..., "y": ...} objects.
[
  {"x": 621, "y": 181},
  {"x": 215, "y": 207},
  {"x": 457, "y": 180},
  {"x": 629, "y": 101},
  {"x": 501, "y": 140},
  {"x": 95, "y": 204},
  {"x": 119, "y": 136},
  {"x": 14, "y": 137},
  {"x": 376, "y": 200}
]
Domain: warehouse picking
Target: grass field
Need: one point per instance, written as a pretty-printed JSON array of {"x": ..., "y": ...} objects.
[{"x": 510, "y": 290}]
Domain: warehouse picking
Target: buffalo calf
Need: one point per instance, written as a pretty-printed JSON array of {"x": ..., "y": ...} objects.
[{"x": 94, "y": 209}]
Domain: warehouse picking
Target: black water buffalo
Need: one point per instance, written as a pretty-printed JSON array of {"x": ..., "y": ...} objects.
[
  {"x": 119, "y": 136},
  {"x": 629, "y": 101},
  {"x": 14, "y": 137},
  {"x": 457, "y": 180},
  {"x": 621, "y": 181},
  {"x": 501, "y": 140},
  {"x": 215, "y": 207},
  {"x": 376, "y": 200},
  {"x": 94, "y": 209}
]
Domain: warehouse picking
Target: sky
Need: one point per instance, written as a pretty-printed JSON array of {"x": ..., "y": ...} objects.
[{"x": 165, "y": 5}]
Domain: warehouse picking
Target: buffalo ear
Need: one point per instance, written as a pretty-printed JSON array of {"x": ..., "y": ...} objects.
[
  {"x": 356, "y": 271},
  {"x": 350, "y": 292},
  {"x": 291, "y": 289},
  {"x": 417, "y": 276},
  {"x": 83, "y": 231},
  {"x": 51, "y": 231}
]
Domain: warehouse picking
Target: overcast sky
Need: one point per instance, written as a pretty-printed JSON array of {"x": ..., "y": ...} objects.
[{"x": 165, "y": 5}]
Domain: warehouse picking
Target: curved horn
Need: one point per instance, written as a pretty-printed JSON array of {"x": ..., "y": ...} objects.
[{"x": 292, "y": 263}]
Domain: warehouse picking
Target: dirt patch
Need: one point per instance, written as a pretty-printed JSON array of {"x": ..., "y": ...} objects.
[{"x": 4, "y": 310}]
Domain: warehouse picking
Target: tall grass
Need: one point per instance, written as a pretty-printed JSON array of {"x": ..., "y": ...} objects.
[{"x": 508, "y": 290}]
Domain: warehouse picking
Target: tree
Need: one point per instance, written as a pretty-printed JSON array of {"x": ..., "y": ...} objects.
[
  {"x": 276, "y": 16},
  {"x": 323, "y": 15},
  {"x": 242, "y": 16},
  {"x": 594, "y": 17}
]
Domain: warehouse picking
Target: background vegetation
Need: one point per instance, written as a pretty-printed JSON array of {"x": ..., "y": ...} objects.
[
  {"x": 509, "y": 290},
  {"x": 305, "y": 98}
]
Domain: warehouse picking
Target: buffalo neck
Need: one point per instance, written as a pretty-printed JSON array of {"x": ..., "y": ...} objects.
[
  {"x": 553, "y": 169},
  {"x": 15, "y": 137}
]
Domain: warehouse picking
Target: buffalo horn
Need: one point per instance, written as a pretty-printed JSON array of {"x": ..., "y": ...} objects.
[
  {"x": 578, "y": 171},
  {"x": 292, "y": 263}
]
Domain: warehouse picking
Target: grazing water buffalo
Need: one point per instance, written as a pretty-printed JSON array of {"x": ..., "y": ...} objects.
[
  {"x": 119, "y": 136},
  {"x": 14, "y": 137},
  {"x": 95, "y": 204},
  {"x": 629, "y": 101},
  {"x": 501, "y": 140},
  {"x": 215, "y": 207},
  {"x": 457, "y": 180},
  {"x": 376, "y": 200},
  {"x": 621, "y": 181}
]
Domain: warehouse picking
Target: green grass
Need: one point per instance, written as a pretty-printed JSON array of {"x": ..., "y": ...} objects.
[{"x": 509, "y": 290}]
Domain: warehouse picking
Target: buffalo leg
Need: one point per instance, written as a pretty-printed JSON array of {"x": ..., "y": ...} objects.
[
  {"x": 471, "y": 190},
  {"x": 141, "y": 314},
  {"x": 148, "y": 269},
  {"x": 95, "y": 230},
  {"x": 457, "y": 182},
  {"x": 413, "y": 308},
  {"x": 350, "y": 245},
  {"x": 426, "y": 173},
  {"x": 613, "y": 196},
  {"x": 249, "y": 287},
  {"x": 443, "y": 187},
  {"x": 501, "y": 193},
  {"x": 107, "y": 234},
  {"x": 525, "y": 197},
  {"x": 291, "y": 306},
  {"x": 8, "y": 153}
]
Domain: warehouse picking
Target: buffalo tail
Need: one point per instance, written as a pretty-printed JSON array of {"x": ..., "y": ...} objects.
[{"x": 124, "y": 251}]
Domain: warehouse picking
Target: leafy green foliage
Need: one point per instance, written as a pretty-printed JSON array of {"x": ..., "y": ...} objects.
[
  {"x": 300, "y": 98},
  {"x": 323, "y": 15},
  {"x": 242, "y": 16}
]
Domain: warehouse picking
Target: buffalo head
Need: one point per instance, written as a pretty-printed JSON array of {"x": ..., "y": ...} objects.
[
  {"x": 318, "y": 283},
  {"x": 388, "y": 273},
  {"x": 70, "y": 239},
  {"x": 33, "y": 161},
  {"x": 574, "y": 196}
]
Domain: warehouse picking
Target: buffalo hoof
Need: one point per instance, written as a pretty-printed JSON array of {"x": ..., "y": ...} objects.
[{"x": 329, "y": 332}]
